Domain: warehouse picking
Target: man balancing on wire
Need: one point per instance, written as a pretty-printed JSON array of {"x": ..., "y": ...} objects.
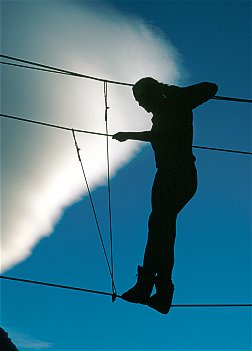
[{"x": 175, "y": 182}]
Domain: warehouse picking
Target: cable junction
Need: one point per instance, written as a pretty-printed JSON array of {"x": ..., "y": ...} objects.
[
  {"x": 68, "y": 287},
  {"x": 52, "y": 69},
  {"x": 109, "y": 135}
]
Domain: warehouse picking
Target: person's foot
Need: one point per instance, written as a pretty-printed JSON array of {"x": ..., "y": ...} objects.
[
  {"x": 140, "y": 293},
  {"x": 162, "y": 300}
]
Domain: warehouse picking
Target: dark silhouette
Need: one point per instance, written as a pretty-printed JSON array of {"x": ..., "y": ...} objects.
[
  {"x": 5, "y": 342},
  {"x": 175, "y": 182}
]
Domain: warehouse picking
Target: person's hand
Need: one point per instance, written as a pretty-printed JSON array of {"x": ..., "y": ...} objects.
[{"x": 121, "y": 136}]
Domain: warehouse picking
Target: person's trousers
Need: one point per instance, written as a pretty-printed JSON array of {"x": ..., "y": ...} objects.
[{"x": 170, "y": 193}]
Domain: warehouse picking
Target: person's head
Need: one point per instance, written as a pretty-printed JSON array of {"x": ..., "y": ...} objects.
[{"x": 146, "y": 91}]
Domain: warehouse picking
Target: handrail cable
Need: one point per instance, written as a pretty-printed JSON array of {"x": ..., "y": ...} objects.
[
  {"x": 110, "y": 135},
  {"x": 53, "y": 69},
  {"x": 62, "y": 71}
]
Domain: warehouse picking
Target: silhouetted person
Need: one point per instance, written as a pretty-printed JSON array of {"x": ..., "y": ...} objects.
[
  {"x": 5, "y": 342},
  {"x": 175, "y": 182}
]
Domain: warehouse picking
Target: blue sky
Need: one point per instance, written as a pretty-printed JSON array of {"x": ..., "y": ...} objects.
[{"x": 213, "y": 245}]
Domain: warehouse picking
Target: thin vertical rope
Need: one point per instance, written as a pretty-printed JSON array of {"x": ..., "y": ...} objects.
[
  {"x": 109, "y": 191},
  {"x": 93, "y": 207}
]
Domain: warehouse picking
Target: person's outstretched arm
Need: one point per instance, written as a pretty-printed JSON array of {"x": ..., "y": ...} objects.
[
  {"x": 197, "y": 94},
  {"x": 142, "y": 136}
]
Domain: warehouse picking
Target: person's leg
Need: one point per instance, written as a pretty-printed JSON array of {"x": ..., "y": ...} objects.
[
  {"x": 168, "y": 198},
  {"x": 141, "y": 292},
  {"x": 177, "y": 196},
  {"x": 161, "y": 225},
  {"x": 159, "y": 251}
]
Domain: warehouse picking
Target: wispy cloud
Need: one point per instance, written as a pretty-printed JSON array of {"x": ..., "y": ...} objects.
[
  {"x": 34, "y": 344},
  {"x": 26, "y": 340},
  {"x": 39, "y": 169}
]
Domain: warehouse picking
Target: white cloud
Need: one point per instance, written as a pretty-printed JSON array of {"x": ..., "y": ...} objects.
[
  {"x": 27, "y": 341},
  {"x": 34, "y": 344},
  {"x": 39, "y": 169}
]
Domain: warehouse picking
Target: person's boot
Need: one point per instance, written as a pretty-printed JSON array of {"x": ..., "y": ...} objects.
[
  {"x": 162, "y": 300},
  {"x": 140, "y": 293}
]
